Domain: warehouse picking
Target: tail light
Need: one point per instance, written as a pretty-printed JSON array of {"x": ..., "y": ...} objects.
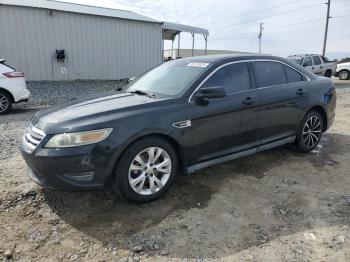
[{"x": 13, "y": 74}]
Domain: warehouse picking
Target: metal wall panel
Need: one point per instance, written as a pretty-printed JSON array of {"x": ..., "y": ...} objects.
[{"x": 96, "y": 47}]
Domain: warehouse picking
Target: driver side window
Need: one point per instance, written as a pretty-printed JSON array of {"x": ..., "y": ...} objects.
[{"x": 234, "y": 78}]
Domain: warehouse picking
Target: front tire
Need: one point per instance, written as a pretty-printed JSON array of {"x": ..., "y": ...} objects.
[
  {"x": 344, "y": 75},
  {"x": 310, "y": 132},
  {"x": 146, "y": 170},
  {"x": 5, "y": 103}
]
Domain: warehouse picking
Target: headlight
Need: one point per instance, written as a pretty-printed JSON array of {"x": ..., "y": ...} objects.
[{"x": 78, "y": 139}]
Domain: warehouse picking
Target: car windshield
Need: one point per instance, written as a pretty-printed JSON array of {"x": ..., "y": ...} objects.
[
  {"x": 296, "y": 60},
  {"x": 170, "y": 79}
]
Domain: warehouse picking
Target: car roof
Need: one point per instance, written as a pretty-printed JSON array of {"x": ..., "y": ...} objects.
[
  {"x": 229, "y": 57},
  {"x": 303, "y": 55}
]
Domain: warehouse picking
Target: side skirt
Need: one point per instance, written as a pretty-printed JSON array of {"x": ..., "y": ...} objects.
[
  {"x": 276, "y": 143},
  {"x": 196, "y": 167}
]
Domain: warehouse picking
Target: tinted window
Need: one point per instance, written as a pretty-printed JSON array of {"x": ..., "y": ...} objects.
[
  {"x": 292, "y": 75},
  {"x": 317, "y": 60},
  {"x": 307, "y": 61},
  {"x": 269, "y": 74},
  {"x": 234, "y": 78}
]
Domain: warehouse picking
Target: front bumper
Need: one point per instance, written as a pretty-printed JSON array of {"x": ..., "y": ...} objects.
[{"x": 70, "y": 169}]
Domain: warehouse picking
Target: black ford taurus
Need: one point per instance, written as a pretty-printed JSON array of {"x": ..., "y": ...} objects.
[{"x": 177, "y": 118}]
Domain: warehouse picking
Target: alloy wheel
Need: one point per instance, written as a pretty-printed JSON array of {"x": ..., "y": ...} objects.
[
  {"x": 312, "y": 131},
  {"x": 4, "y": 103},
  {"x": 343, "y": 75},
  {"x": 149, "y": 171}
]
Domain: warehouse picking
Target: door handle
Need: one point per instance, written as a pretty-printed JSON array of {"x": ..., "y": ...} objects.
[
  {"x": 312, "y": 68},
  {"x": 321, "y": 66},
  {"x": 248, "y": 101},
  {"x": 300, "y": 92}
]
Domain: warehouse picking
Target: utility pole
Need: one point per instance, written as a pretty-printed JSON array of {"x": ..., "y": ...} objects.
[
  {"x": 260, "y": 35},
  {"x": 326, "y": 30}
]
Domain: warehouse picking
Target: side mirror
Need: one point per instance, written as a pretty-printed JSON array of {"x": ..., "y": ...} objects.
[{"x": 210, "y": 92}]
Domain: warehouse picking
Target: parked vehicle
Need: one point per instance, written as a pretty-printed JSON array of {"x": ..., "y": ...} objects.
[
  {"x": 343, "y": 71},
  {"x": 180, "y": 117},
  {"x": 13, "y": 88},
  {"x": 317, "y": 64}
]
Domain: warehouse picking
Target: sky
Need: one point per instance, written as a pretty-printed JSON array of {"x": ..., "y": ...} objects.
[{"x": 290, "y": 27}]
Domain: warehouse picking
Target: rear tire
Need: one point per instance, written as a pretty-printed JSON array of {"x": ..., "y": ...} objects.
[
  {"x": 310, "y": 132},
  {"x": 328, "y": 74},
  {"x": 5, "y": 103},
  {"x": 146, "y": 170},
  {"x": 344, "y": 75}
]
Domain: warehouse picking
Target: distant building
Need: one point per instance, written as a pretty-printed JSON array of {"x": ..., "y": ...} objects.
[
  {"x": 52, "y": 40},
  {"x": 197, "y": 52}
]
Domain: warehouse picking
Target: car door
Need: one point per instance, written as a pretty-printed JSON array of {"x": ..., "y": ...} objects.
[
  {"x": 226, "y": 125},
  {"x": 284, "y": 97},
  {"x": 308, "y": 64},
  {"x": 318, "y": 68}
]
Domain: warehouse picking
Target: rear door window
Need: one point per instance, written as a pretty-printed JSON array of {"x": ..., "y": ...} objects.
[
  {"x": 269, "y": 73},
  {"x": 234, "y": 78},
  {"x": 292, "y": 75},
  {"x": 317, "y": 60}
]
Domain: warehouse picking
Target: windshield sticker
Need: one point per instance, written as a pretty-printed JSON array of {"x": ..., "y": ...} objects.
[{"x": 198, "y": 64}]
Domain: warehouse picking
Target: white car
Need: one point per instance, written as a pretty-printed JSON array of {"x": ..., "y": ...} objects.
[
  {"x": 13, "y": 88},
  {"x": 343, "y": 71}
]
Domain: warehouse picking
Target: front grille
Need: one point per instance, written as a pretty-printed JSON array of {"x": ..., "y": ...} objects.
[{"x": 32, "y": 137}]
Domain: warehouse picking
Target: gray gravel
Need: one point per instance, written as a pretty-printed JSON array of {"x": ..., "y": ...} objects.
[
  {"x": 45, "y": 94},
  {"x": 50, "y": 93}
]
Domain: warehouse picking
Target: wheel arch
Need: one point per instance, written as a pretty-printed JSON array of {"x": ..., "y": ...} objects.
[
  {"x": 165, "y": 136},
  {"x": 322, "y": 111},
  {"x": 328, "y": 70},
  {"x": 8, "y": 93}
]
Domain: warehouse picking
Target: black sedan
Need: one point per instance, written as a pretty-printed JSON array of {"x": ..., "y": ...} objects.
[{"x": 177, "y": 118}]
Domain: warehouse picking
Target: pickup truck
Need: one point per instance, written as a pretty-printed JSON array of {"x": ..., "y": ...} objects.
[
  {"x": 317, "y": 64},
  {"x": 343, "y": 71}
]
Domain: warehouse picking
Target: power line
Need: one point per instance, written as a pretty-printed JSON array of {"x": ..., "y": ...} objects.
[
  {"x": 267, "y": 32},
  {"x": 262, "y": 10},
  {"x": 273, "y": 29},
  {"x": 273, "y": 15},
  {"x": 270, "y": 29}
]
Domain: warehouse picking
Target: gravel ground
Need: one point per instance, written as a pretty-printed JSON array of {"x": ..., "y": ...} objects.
[
  {"x": 44, "y": 94},
  {"x": 277, "y": 205}
]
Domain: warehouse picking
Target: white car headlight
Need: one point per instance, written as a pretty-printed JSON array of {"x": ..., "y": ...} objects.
[{"x": 78, "y": 138}]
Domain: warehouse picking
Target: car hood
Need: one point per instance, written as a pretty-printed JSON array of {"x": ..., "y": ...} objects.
[
  {"x": 347, "y": 64},
  {"x": 103, "y": 109}
]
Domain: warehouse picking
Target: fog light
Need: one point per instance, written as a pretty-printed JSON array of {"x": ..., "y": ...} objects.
[{"x": 84, "y": 176}]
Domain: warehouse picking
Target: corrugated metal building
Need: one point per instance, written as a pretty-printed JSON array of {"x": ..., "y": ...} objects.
[{"x": 98, "y": 43}]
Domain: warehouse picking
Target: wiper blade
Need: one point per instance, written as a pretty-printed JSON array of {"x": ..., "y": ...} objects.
[{"x": 143, "y": 93}]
